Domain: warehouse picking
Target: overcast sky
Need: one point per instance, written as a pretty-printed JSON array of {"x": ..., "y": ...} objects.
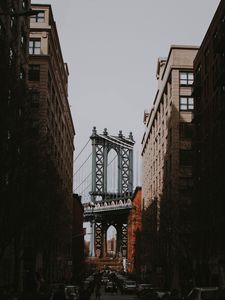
[{"x": 112, "y": 47}]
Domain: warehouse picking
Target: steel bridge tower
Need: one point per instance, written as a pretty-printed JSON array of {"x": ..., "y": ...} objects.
[{"x": 110, "y": 208}]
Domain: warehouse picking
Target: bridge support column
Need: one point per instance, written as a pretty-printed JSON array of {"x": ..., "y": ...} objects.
[
  {"x": 104, "y": 240},
  {"x": 119, "y": 241},
  {"x": 124, "y": 239},
  {"x": 92, "y": 239}
]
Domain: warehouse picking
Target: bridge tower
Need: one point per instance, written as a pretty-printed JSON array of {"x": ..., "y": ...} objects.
[{"x": 108, "y": 208}]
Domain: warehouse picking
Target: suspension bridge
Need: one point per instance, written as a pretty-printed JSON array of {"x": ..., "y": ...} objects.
[{"x": 104, "y": 180}]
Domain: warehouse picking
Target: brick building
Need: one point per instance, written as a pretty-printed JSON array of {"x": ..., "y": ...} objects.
[
  {"x": 14, "y": 33},
  {"x": 134, "y": 227},
  {"x": 209, "y": 93},
  {"x": 167, "y": 168},
  {"x": 78, "y": 239},
  {"x": 48, "y": 242}
]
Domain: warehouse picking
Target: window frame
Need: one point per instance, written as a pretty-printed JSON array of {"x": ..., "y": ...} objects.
[
  {"x": 38, "y": 18},
  {"x": 186, "y": 130},
  {"x": 186, "y": 105},
  {"x": 35, "y": 98},
  {"x": 33, "y": 46},
  {"x": 34, "y": 72},
  {"x": 186, "y": 81},
  {"x": 186, "y": 157}
]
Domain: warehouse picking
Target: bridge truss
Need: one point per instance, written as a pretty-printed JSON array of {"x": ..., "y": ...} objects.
[{"x": 106, "y": 207}]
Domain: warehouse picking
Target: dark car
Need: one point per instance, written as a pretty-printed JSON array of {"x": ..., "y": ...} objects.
[
  {"x": 109, "y": 287},
  {"x": 202, "y": 293},
  {"x": 72, "y": 292},
  {"x": 129, "y": 286},
  {"x": 155, "y": 294},
  {"x": 220, "y": 293}
]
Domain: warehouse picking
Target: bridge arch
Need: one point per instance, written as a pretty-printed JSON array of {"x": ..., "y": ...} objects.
[{"x": 111, "y": 241}]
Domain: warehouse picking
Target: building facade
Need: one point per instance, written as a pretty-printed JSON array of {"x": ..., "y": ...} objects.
[
  {"x": 167, "y": 157},
  {"x": 14, "y": 33},
  {"x": 78, "y": 240},
  {"x": 134, "y": 229},
  {"x": 48, "y": 241},
  {"x": 209, "y": 93}
]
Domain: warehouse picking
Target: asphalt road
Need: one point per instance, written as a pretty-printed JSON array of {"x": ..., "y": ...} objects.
[{"x": 114, "y": 296}]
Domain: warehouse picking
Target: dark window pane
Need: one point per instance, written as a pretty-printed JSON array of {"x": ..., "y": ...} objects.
[
  {"x": 186, "y": 157},
  {"x": 34, "y": 72},
  {"x": 186, "y": 130}
]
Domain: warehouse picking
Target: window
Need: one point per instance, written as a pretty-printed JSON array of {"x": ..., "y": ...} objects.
[
  {"x": 39, "y": 18},
  {"x": 24, "y": 4},
  {"x": 34, "y": 72},
  {"x": 6, "y": 179},
  {"x": 206, "y": 59},
  {"x": 22, "y": 74},
  {"x": 11, "y": 56},
  {"x": 35, "y": 97},
  {"x": 186, "y": 157},
  {"x": 186, "y": 103},
  {"x": 35, "y": 46},
  {"x": 34, "y": 128},
  {"x": 186, "y": 183},
  {"x": 12, "y": 22},
  {"x": 186, "y": 78},
  {"x": 186, "y": 130}
]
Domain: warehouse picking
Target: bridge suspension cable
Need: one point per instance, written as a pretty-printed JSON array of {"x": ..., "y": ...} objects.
[
  {"x": 83, "y": 180},
  {"x": 81, "y": 150},
  {"x": 82, "y": 164}
]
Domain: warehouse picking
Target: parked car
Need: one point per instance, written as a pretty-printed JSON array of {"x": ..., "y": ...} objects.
[
  {"x": 72, "y": 292},
  {"x": 155, "y": 294},
  {"x": 129, "y": 286},
  {"x": 202, "y": 293},
  {"x": 104, "y": 280},
  {"x": 220, "y": 293},
  {"x": 143, "y": 287},
  {"x": 109, "y": 287}
]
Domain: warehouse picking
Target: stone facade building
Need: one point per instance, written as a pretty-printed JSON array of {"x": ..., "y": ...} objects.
[
  {"x": 167, "y": 156},
  {"x": 209, "y": 111}
]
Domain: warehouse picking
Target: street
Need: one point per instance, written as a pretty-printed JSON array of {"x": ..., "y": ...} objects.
[{"x": 114, "y": 296}]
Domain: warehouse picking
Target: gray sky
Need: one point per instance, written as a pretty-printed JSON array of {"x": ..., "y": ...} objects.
[{"x": 112, "y": 47}]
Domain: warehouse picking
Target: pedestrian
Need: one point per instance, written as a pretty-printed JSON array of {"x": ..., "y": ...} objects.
[
  {"x": 114, "y": 287},
  {"x": 97, "y": 292}
]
